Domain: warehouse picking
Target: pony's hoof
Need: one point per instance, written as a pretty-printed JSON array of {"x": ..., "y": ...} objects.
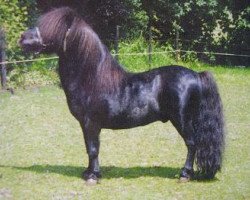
[
  {"x": 186, "y": 175},
  {"x": 91, "y": 182},
  {"x": 89, "y": 175},
  {"x": 184, "y": 179}
]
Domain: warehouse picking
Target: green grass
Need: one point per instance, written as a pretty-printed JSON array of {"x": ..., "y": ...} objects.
[{"x": 42, "y": 154}]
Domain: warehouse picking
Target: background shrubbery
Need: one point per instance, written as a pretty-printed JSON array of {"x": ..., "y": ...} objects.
[{"x": 213, "y": 25}]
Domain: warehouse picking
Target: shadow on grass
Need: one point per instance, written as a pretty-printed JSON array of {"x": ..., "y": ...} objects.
[{"x": 108, "y": 172}]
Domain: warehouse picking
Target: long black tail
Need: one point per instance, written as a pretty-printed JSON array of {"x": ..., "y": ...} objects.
[{"x": 210, "y": 133}]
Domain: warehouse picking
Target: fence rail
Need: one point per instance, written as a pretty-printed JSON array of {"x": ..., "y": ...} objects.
[{"x": 131, "y": 54}]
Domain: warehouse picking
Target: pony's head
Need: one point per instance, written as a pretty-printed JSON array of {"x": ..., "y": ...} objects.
[{"x": 50, "y": 33}]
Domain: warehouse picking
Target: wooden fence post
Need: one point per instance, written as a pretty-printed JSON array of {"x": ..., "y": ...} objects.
[
  {"x": 150, "y": 18},
  {"x": 117, "y": 37},
  {"x": 177, "y": 48},
  {"x": 3, "y": 59},
  {"x": 150, "y": 47}
]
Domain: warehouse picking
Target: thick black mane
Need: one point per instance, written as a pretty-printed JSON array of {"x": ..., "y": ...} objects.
[
  {"x": 54, "y": 25},
  {"x": 64, "y": 25}
]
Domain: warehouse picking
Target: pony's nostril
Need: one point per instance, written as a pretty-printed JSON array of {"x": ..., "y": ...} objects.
[{"x": 21, "y": 39}]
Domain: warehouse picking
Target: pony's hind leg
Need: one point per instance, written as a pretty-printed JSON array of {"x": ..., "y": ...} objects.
[
  {"x": 187, "y": 171},
  {"x": 183, "y": 122},
  {"x": 188, "y": 116},
  {"x": 186, "y": 130}
]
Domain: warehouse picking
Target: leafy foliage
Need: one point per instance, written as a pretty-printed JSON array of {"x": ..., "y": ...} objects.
[
  {"x": 39, "y": 73},
  {"x": 103, "y": 15},
  {"x": 203, "y": 25},
  {"x": 13, "y": 18},
  {"x": 239, "y": 35}
]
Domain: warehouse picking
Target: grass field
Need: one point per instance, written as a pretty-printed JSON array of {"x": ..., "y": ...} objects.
[{"x": 42, "y": 154}]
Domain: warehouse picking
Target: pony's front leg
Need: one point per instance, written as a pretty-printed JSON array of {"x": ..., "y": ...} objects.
[{"x": 91, "y": 134}]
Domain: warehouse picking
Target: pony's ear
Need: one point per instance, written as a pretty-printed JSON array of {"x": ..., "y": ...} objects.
[
  {"x": 58, "y": 17},
  {"x": 70, "y": 18},
  {"x": 54, "y": 25}
]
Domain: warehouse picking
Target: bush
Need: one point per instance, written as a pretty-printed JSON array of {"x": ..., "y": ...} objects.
[
  {"x": 39, "y": 73},
  {"x": 13, "y": 18},
  {"x": 139, "y": 60}
]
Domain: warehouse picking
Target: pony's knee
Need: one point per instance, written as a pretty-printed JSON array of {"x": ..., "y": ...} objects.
[{"x": 93, "y": 152}]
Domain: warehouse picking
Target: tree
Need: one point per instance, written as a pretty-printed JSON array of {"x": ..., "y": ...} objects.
[
  {"x": 102, "y": 15},
  {"x": 203, "y": 25},
  {"x": 211, "y": 25},
  {"x": 239, "y": 32},
  {"x": 13, "y": 18}
]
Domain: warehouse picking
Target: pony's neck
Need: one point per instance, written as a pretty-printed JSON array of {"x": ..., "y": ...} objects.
[{"x": 93, "y": 61}]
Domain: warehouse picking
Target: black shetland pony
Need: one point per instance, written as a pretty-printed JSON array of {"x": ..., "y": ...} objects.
[{"x": 101, "y": 94}]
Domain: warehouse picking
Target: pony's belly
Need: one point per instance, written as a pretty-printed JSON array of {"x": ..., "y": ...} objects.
[
  {"x": 137, "y": 112},
  {"x": 124, "y": 123},
  {"x": 130, "y": 119}
]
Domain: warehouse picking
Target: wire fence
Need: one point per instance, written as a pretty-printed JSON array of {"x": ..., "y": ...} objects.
[
  {"x": 179, "y": 48},
  {"x": 132, "y": 54},
  {"x": 169, "y": 53}
]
